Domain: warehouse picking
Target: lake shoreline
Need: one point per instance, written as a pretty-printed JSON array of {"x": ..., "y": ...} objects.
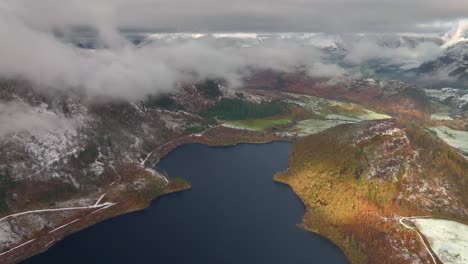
[
  {"x": 277, "y": 178},
  {"x": 204, "y": 187},
  {"x": 129, "y": 203}
]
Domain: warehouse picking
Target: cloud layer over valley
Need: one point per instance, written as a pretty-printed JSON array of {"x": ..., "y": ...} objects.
[
  {"x": 242, "y": 15},
  {"x": 124, "y": 71},
  {"x": 31, "y": 48}
]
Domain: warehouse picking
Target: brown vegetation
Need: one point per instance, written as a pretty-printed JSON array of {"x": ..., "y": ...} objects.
[
  {"x": 357, "y": 180},
  {"x": 394, "y": 98}
]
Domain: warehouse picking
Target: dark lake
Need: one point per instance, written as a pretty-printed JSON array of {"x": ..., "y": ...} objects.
[{"x": 235, "y": 213}]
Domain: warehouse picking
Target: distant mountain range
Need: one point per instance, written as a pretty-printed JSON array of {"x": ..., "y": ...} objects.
[
  {"x": 451, "y": 64},
  {"x": 449, "y": 67},
  {"x": 428, "y": 59}
]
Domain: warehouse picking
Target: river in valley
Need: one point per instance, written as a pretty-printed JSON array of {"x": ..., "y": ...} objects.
[{"x": 234, "y": 213}]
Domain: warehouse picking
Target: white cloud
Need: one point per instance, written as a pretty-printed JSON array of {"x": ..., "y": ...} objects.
[
  {"x": 124, "y": 71},
  {"x": 362, "y": 52},
  {"x": 457, "y": 34},
  {"x": 17, "y": 117},
  {"x": 241, "y": 15},
  {"x": 320, "y": 69}
]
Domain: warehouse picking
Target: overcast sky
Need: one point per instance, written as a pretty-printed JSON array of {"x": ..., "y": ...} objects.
[
  {"x": 247, "y": 15},
  {"x": 29, "y": 49},
  {"x": 122, "y": 71}
]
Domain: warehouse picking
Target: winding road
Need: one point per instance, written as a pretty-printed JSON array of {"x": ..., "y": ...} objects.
[
  {"x": 429, "y": 251},
  {"x": 99, "y": 205}
]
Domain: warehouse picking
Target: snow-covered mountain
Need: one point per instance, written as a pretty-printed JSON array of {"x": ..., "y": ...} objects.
[
  {"x": 332, "y": 42},
  {"x": 459, "y": 33},
  {"x": 436, "y": 59},
  {"x": 320, "y": 40},
  {"x": 67, "y": 139},
  {"x": 240, "y": 39},
  {"x": 452, "y": 64}
]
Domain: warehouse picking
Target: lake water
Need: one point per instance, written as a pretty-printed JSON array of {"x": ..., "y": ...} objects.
[{"x": 235, "y": 213}]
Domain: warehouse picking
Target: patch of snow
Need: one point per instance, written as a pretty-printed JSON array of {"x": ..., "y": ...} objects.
[
  {"x": 7, "y": 236},
  {"x": 237, "y": 125},
  {"x": 448, "y": 239},
  {"x": 312, "y": 126},
  {"x": 441, "y": 116},
  {"x": 76, "y": 202},
  {"x": 171, "y": 122},
  {"x": 97, "y": 168},
  {"x": 239, "y": 35},
  {"x": 455, "y": 138}
]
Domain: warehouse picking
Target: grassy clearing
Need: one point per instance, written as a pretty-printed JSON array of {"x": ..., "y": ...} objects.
[
  {"x": 258, "y": 124},
  {"x": 315, "y": 115},
  {"x": 334, "y": 110},
  {"x": 236, "y": 109}
]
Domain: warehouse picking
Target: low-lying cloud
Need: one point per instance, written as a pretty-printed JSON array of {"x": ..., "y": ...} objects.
[
  {"x": 245, "y": 15},
  {"x": 365, "y": 51},
  {"x": 458, "y": 33},
  {"x": 124, "y": 71},
  {"x": 17, "y": 117}
]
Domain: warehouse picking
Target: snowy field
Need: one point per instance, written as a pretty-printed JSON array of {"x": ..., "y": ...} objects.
[
  {"x": 441, "y": 116},
  {"x": 335, "y": 110},
  {"x": 455, "y": 138},
  {"x": 329, "y": 113},
  {"x": 448, "y": 239},
  {"x": 312, "y": 126}
]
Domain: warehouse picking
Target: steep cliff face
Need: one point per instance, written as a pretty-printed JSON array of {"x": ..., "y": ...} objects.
[{"x": 357, "y": 181}]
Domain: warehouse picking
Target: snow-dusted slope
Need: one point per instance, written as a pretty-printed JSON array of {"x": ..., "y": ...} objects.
[
  {"x": 452, "y": 64},
  {"x": 73, "y": 142},
  {"x": 244, "y": 39},
  {"x": 457, "y": 98},
  {"x": 459, "y": 33},
  {"x": 320, "y": 40},
  {"x": 448, "y": 239}
]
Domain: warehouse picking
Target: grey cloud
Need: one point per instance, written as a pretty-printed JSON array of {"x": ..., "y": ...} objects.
[
  {"x": 365, "y": 51},
  {"x": 320, "y": 69},
  {"x": 19, "y": 117},
  {"x": 457, "y": 33},
  {"x": 124, "y": 71},
  {"x": 257, "y": 15}
]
